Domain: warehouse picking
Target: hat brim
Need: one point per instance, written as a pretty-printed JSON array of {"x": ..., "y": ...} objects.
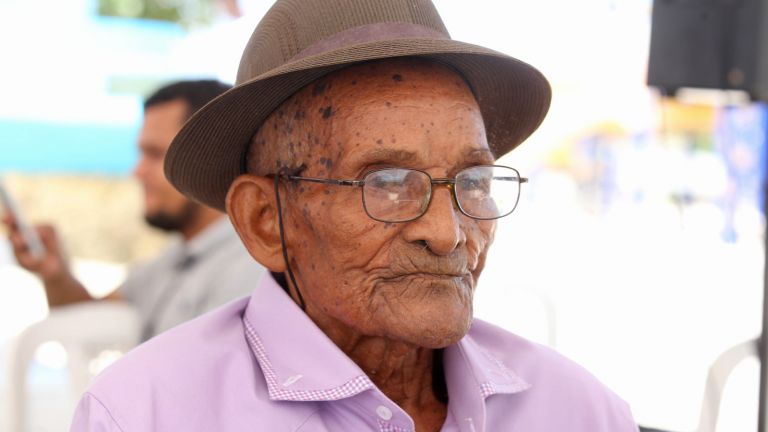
[{"x": 210, "y": 150}]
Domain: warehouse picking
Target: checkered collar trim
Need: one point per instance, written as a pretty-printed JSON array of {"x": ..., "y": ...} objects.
[
  {"x": 278, "y": 391},
  {"x": 488, "y": 373},
  {"x": 299, "y": 362}
]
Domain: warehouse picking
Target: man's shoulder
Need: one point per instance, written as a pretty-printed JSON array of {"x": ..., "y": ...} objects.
[
  {"x": 529, "y": 359},
  {"x": 208, "y": 335},
  {"x": 174, "y": 366},
  {"x": 555, "y": 380}
]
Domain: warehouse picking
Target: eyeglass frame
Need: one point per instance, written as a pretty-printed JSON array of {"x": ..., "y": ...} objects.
[{"x": 450, "y": 183}]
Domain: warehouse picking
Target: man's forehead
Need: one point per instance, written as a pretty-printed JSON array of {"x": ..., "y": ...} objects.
[
  {"x": 393, "y": 76},
  {"x": 404, "y": 156},
  {"x": 392, "y": 112}
]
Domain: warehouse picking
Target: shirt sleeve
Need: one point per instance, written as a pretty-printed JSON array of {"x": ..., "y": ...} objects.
[{"x": 92, "y": 416}]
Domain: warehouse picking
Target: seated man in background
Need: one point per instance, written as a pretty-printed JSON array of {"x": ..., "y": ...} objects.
[{"x": 206, "y": 266}]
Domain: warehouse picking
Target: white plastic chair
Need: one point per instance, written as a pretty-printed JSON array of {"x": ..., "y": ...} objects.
[
  {"x": 717, "y": 377},
  {"x": 86, "y": 331}
]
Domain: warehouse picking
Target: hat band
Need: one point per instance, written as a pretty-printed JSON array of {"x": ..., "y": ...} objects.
[{"x": 370, "y": 33}]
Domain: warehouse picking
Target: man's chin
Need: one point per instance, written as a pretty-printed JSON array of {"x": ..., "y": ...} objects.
[
  {"x": 162, "y": 222},
  {"x": 434, "y": 330},
  {"x": 433, "y": 315},
  {"x": 172, "y": 222}
]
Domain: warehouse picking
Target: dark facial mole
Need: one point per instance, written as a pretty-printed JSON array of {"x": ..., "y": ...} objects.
[
  {"x": 319, "y": 88},
  {"x": 327, "y": 162},
  {"x": 397, "y": 77}
]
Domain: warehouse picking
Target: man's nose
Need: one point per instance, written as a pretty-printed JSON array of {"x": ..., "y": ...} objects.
[
  {"x": 139, "y": 168},
  {"x": 439, "y": 228}
]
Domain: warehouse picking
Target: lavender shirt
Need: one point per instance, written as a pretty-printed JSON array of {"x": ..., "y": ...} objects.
[{"x": 260, "y": 364}]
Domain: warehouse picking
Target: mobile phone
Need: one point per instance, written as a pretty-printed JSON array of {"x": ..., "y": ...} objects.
[{"x": 34, "y": 245}]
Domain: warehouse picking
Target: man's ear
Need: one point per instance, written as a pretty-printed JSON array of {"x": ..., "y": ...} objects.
[{"x": 252, "y": 208}]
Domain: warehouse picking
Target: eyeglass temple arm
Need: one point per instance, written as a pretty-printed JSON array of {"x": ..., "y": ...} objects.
[
  {"x": 519, "y": 179},
  {"x": 328, "y": 181},
  {"x": 453, "y": 181},
  {"x": 358, "y": 183}
]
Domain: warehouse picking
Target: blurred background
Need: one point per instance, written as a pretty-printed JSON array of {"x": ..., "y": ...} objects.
[{"x": 636, "y": 250}]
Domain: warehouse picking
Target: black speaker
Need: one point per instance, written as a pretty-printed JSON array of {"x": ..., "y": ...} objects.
[{"x": 716, "y": 44}]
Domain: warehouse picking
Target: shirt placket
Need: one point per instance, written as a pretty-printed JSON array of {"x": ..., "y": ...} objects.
[{"x": 386, "y": 414}]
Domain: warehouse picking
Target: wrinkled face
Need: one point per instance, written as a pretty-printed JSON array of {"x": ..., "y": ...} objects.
[
  {"x": 164, "y": 206},
  {"x": 411, "y": 281}
]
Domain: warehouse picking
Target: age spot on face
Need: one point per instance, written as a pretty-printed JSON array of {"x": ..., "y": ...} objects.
[
  {"x": 326, "y": 162},
  {"x": 319, "y": 88}
]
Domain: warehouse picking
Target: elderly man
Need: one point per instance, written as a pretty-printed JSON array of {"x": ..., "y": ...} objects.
[
  {"x": 205, "y": 267},
  {"x": 355, "y": 158}
]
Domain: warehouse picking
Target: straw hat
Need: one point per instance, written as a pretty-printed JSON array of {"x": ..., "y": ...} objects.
[{"x": 299, "y": 41}]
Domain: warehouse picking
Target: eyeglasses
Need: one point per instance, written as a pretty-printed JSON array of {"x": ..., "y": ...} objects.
[{"x": 401, "y": 195}]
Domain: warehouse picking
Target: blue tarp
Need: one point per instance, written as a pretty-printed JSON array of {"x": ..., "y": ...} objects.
[{"x": 49, "y": 147}]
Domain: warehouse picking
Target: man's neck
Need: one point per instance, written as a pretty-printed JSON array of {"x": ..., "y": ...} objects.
[{"x": 402, "y": 371}]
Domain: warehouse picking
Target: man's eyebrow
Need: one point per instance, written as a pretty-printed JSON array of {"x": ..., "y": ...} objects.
[
  {"x": 406, "y": 158},
  {"x": 385, "y": 155},
  {"x": 481, "y": 152}
]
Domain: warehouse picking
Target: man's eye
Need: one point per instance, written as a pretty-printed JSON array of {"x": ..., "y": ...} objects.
[
  {"x": 471, "y": 183},
  {"x": 478, "y": 186}
]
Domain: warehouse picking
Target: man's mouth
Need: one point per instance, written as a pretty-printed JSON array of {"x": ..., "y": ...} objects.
[{"x": 432, "y": 275}]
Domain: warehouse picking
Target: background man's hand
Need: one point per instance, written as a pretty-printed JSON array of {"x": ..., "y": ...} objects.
[
  {"x": 61, "y": 287},
  {"x": 52, "y": 265}
]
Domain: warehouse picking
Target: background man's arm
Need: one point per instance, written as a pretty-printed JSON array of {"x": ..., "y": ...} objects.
[{"x": 61, "y": 286}]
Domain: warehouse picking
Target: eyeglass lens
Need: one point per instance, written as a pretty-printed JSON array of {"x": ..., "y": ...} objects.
[{"x": 399, "y": 195}]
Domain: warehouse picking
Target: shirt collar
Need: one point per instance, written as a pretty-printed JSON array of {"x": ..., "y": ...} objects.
[
  {"x": 473, "y": 374},
  {"x": 301, "y": 363},
  {"x": 298, "y": 360},
  {"x": 489, "y": 375}
]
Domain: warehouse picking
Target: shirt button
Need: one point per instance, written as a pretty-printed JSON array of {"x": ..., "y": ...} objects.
[{"x": 384, "y": 412}]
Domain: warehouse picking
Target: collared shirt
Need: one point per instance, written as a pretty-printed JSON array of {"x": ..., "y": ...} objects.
[
  {"x": 190, "y": 278},
  {"x": 261, "y": 364}
]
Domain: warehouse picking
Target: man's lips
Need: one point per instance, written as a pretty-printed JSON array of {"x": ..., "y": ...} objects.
[{"x": 431, "y": 275}]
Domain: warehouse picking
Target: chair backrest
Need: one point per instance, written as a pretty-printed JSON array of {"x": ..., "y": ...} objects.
[
  {"x": 718, "y": 375},
  {"x": 86, "y": 331}
]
